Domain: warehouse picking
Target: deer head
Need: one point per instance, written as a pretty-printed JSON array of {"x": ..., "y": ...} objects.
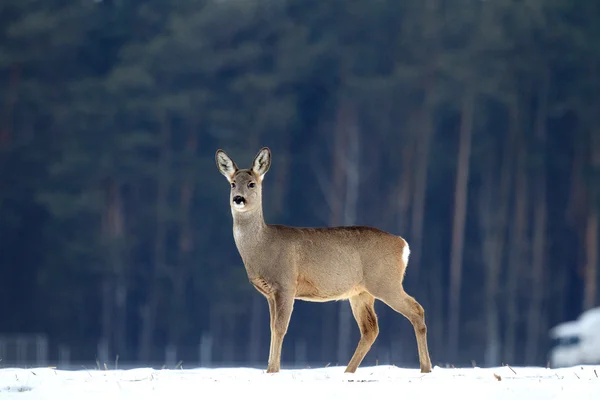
[{"x": 246, "y": 184}]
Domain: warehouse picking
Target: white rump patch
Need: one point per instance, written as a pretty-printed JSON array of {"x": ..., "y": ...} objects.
[{"x": 405, "y": 253}]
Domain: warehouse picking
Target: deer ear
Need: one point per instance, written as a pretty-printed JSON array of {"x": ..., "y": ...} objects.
[
  {"x": 262, "y": 162},
  {"x": 225, "y": 165}
]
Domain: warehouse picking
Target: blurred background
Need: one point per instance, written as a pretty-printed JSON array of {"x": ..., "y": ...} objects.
[{"x": 469, "y": 127}]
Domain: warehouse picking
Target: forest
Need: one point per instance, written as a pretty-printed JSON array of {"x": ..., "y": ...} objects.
[{"x": 471, "y": 128}]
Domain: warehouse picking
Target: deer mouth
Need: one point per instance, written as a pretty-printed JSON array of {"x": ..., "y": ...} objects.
[{"x": 239, "y": 202}]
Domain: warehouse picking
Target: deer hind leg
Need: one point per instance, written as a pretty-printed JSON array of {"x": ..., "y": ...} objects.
[
  {"x": 363, "y": 309},
  {"x": 406, "y": 305},
  {"x": 281, "y": 305}
]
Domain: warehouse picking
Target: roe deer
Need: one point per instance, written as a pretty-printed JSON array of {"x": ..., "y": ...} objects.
[{"x": 285, "y": 263}]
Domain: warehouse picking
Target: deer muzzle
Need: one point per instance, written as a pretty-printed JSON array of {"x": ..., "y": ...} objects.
[{"x": 239, "y": 201}]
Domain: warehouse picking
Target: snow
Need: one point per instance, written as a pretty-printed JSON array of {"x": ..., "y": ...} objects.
[
  {"x": 566, "y": 329},
  {"x": 581, "y": 382},
  {"x": 578, "y": 342}
]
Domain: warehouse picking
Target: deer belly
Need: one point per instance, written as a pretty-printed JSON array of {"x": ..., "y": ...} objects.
[{"x": 307, "y": 289}]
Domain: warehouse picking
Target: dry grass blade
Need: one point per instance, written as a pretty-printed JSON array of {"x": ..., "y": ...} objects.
[{"x": 497, "y": 377}]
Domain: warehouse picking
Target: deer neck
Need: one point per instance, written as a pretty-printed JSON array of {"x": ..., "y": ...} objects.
[{"x": 248, "y": 230}]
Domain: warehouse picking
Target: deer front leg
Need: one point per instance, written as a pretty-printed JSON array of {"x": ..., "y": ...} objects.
[
  {"x": 272, "y": 325},
  {"x": 281, "y": 304}
]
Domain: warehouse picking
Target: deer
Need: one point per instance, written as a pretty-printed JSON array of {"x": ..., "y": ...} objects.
[{"x": 284, "y": 263}]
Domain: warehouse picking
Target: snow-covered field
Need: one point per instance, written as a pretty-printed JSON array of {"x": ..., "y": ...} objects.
[{"x": 575, "y": 383}]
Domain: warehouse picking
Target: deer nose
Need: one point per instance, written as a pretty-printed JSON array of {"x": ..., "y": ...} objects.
[{"x": 238, "y": 200}]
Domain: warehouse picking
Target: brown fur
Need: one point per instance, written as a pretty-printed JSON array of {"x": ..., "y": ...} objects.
[{"x": 355, "y": 263}]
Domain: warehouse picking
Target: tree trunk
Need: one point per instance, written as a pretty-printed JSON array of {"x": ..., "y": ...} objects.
[
  {"x": 424, "y": 134},
  {"x": 121, "y": 288},
  {"x": 114, "y": 286},
  {"x": 535, "y": 319},
  {"x": 460, "y": 215},
  {"x": 339, "y": 174},
  {"x": 591, "y": 267},
  {"x": 180, "y": 272},
  {"x": 493, "y": 220},
  {"x": 401, "y": 198},
  {"x": 10, "y": 101},
  {"x": 281, "y": 175},
  {"x": 591, "y": 242},
  {"x": 577, "y": 214},
  {"x": 149, "y": 309},
  {"x": 106, "y": 315},
  {"x": 517, "y": 245}
]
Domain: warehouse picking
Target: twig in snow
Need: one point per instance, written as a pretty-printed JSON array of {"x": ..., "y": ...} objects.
[
  {"x": 596, "y": 373},
  {"x": 497, "y": 377},
  {"x": 576, "y": 375},
  {"x": 328, "y": 364},
  {"x": 514, "y": 372}
]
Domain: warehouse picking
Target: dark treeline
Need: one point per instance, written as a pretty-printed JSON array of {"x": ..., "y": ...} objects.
[{"x": 471, "y": 128}]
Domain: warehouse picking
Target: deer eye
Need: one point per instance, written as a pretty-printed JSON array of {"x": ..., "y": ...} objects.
[
  {"x": 232, "y": 184},
  {"x": 251, "y": 184}
]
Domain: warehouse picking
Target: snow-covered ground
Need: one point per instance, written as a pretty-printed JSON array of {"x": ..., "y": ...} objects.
[{"x": 370, "y": 383}]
